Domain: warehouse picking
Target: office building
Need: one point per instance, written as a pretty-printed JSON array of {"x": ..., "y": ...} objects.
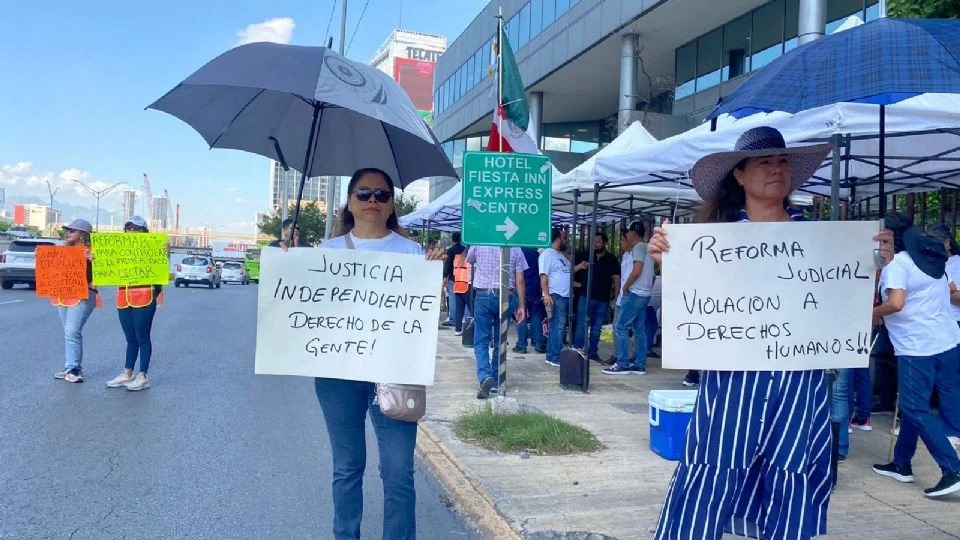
[
  {"x": 314, "y": 190},
  {"x": 410, "y": 58},
  {"x": 35, "y": 215},
  {"x": 591, "y": 68},
  {"x": 129, "y": 203},
  {"x": 160, "y": 214}
]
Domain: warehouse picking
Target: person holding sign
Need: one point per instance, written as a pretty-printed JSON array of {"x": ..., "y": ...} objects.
[
  {"x": 915, "y": 291},
  {"x": 136, "y": 306},
  {"x": 74, "y": 312},
  {"x": 758, "y": 451},
  {"x": 369, "y": 222}
]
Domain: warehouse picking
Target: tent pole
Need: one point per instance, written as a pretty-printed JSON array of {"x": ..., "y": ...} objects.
[
  {"x": 835, "y": 179},
  {"x": 883, "y": 128},
  {"x": 573, "y": 230}
]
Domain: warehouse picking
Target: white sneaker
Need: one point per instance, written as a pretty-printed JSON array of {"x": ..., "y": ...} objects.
[
  {"x": 61, "y": 374},
  {"x": 140, "y": 383},
  {"x": 120, "y": 380}
]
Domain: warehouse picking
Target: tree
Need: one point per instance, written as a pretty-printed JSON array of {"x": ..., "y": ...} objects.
[
  {"x": 404, "y": 204},
  {"x": 924, "y": 9},
  {"x": 312, "y": 223}
]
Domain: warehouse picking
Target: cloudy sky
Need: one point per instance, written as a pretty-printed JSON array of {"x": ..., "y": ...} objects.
[{"x": 76, "y": 77}]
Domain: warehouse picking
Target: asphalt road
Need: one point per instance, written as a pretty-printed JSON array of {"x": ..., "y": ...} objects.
[{"x": 210, "y": 451}]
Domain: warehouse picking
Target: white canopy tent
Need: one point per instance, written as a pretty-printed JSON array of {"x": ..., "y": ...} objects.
[{"x": 922, "y": 147}]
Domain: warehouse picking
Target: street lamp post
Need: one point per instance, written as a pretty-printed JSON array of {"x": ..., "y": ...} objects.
[{"x": 99, "y": 194}]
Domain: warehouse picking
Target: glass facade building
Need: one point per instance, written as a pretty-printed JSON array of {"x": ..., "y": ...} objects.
[
  {"x": 532, "y": 19},
  {"x": 314, "y": 190},
  {"x": 752, "y": 41}
]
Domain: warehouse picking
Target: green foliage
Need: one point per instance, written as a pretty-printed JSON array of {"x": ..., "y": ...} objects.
[
  {"x": 5, "y": 225},
  {"x": 528, "y": 431},
  {"x": 312, "y": 223},
  {"x": 924, "y": 9},
  {"x": 404, "y": 204}
]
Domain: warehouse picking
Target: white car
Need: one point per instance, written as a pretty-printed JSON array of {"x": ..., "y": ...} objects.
[
  {"x": 233, "y": 271},
  {"x": 18, "y": 264}
]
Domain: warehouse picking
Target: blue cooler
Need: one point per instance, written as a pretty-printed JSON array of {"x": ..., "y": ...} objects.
[{"x": 670, "y": 413}]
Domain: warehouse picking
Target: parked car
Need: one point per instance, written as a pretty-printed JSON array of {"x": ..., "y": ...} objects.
[
  {"x": 233, "y": 271},
  {"x": 196, "y": 269},
  {"x": 18, "y": 264}
]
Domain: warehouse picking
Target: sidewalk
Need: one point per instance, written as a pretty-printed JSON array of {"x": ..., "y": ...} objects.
[{"x": 617, "y": 492}]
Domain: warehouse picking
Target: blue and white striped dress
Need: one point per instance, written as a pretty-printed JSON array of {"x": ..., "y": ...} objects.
[{"x": 757, "y": 457}]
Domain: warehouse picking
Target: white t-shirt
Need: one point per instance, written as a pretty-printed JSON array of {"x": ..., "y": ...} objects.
[
  {"x": 953, "y": 274},
  {"x": 557, "y": 268},
  {"x": 626, "y": 266},
  {"x": 925, "y": 326},
  {"x": 393, "y": 243},
  {"x": 643, "y": 285}
]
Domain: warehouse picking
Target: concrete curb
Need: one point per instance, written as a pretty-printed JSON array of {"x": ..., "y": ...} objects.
[{"x": 467, "y": 493}]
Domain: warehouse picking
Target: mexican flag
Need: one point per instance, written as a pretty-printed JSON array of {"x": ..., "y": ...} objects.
[{"x": 512, "y": 116}]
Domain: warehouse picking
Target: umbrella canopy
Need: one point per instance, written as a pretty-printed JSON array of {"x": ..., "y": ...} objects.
[
  {"x": 310, "y": 105},
  {"x": 881, "y": 62}
]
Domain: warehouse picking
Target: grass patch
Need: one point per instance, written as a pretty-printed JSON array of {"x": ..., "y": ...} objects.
[{"x": 533, "y": 432}]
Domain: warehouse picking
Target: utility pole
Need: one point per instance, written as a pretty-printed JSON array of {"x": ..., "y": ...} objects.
[
  {"x": 99, "y": 194},
  {"x": 332, "y": 181}
]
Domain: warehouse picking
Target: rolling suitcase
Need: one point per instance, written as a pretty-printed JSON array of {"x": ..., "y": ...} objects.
[
  {"x": 467, "y": 337},
  {"x": 574, "y": 370}
]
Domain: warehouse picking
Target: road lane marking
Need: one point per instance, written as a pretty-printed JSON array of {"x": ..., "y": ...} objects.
[{"x": 10, "y": 302}]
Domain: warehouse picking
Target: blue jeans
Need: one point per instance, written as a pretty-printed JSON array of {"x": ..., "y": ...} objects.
[
  {"x": 461, "y": 309},
  {"x": 840, "y": 407},
  {"x": 486, "y": 333},
  {"x": 558, "y": 327},
  {"x": 136, "y": 324},
  {"x": 531, "y": 328},
  {"x": 917, "y": 376},
  {"x": 651, "y": 325},
  {"x": 72, "y": 319},
  {"x": 597, "y": 314},
  {"x": 861, "y": 396},
  {"x": 345, "y": 405},
  {"x": 451, "y": 311},
  {"x": 632, "y": 316}
]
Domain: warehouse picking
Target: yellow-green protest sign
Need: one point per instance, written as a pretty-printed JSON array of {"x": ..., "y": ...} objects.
[{"x": 130, "y": 259}]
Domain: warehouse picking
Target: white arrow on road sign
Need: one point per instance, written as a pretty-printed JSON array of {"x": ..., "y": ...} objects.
[{"x": 509, "y": 228}]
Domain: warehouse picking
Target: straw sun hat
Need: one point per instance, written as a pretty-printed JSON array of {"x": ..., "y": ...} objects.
[{"x": 708, "y": 173}]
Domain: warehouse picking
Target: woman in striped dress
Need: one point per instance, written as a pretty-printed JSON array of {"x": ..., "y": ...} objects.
[{"x": 758, "y": 450}]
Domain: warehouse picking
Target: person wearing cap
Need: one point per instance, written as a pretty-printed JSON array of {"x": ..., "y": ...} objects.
[
  {"x": 916, "y": 294},
  {"x": 757, "y": 459},
  {"x": 74, "y": 312},
  {"x": 634, "y": 298},
  {"x": 285, "y": 234},
  {"x": 136, "y": 306}
]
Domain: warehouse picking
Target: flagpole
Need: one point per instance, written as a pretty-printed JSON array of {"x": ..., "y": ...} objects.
[{"x": 505, "y": 250}]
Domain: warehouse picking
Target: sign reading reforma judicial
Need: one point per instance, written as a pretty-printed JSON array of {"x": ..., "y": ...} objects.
[
  {"x": 348, "y": 314},
  {"x": 130, "y": 259},
  {"x": 768, "y": 296},
  {"x": 506, "y": 199}
]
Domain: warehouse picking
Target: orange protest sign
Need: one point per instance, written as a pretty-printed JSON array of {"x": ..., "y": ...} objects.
[{"x": 62, "y": 272}]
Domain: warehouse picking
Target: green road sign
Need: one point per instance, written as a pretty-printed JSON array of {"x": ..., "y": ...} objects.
[{"x": 506, "y": 199}]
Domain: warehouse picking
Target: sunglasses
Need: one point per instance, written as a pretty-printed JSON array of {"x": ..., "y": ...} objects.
[{"x": 381, "y": 195}]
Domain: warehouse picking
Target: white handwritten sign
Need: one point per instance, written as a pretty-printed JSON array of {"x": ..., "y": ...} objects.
[
  {"x": 768, "y": 296},
  {"x": 348, "y": 314}
]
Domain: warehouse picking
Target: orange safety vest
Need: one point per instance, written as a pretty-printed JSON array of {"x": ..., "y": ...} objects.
[
  {"x": 461, "y": 274},
  {"x": 136, "y": 296},
  {"x": 73, "y": 302}
]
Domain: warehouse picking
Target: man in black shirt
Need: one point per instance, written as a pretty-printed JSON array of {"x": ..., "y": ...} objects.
[
  {"x": 606, "y": 274},
  {"x": 282, "y": 241}
]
